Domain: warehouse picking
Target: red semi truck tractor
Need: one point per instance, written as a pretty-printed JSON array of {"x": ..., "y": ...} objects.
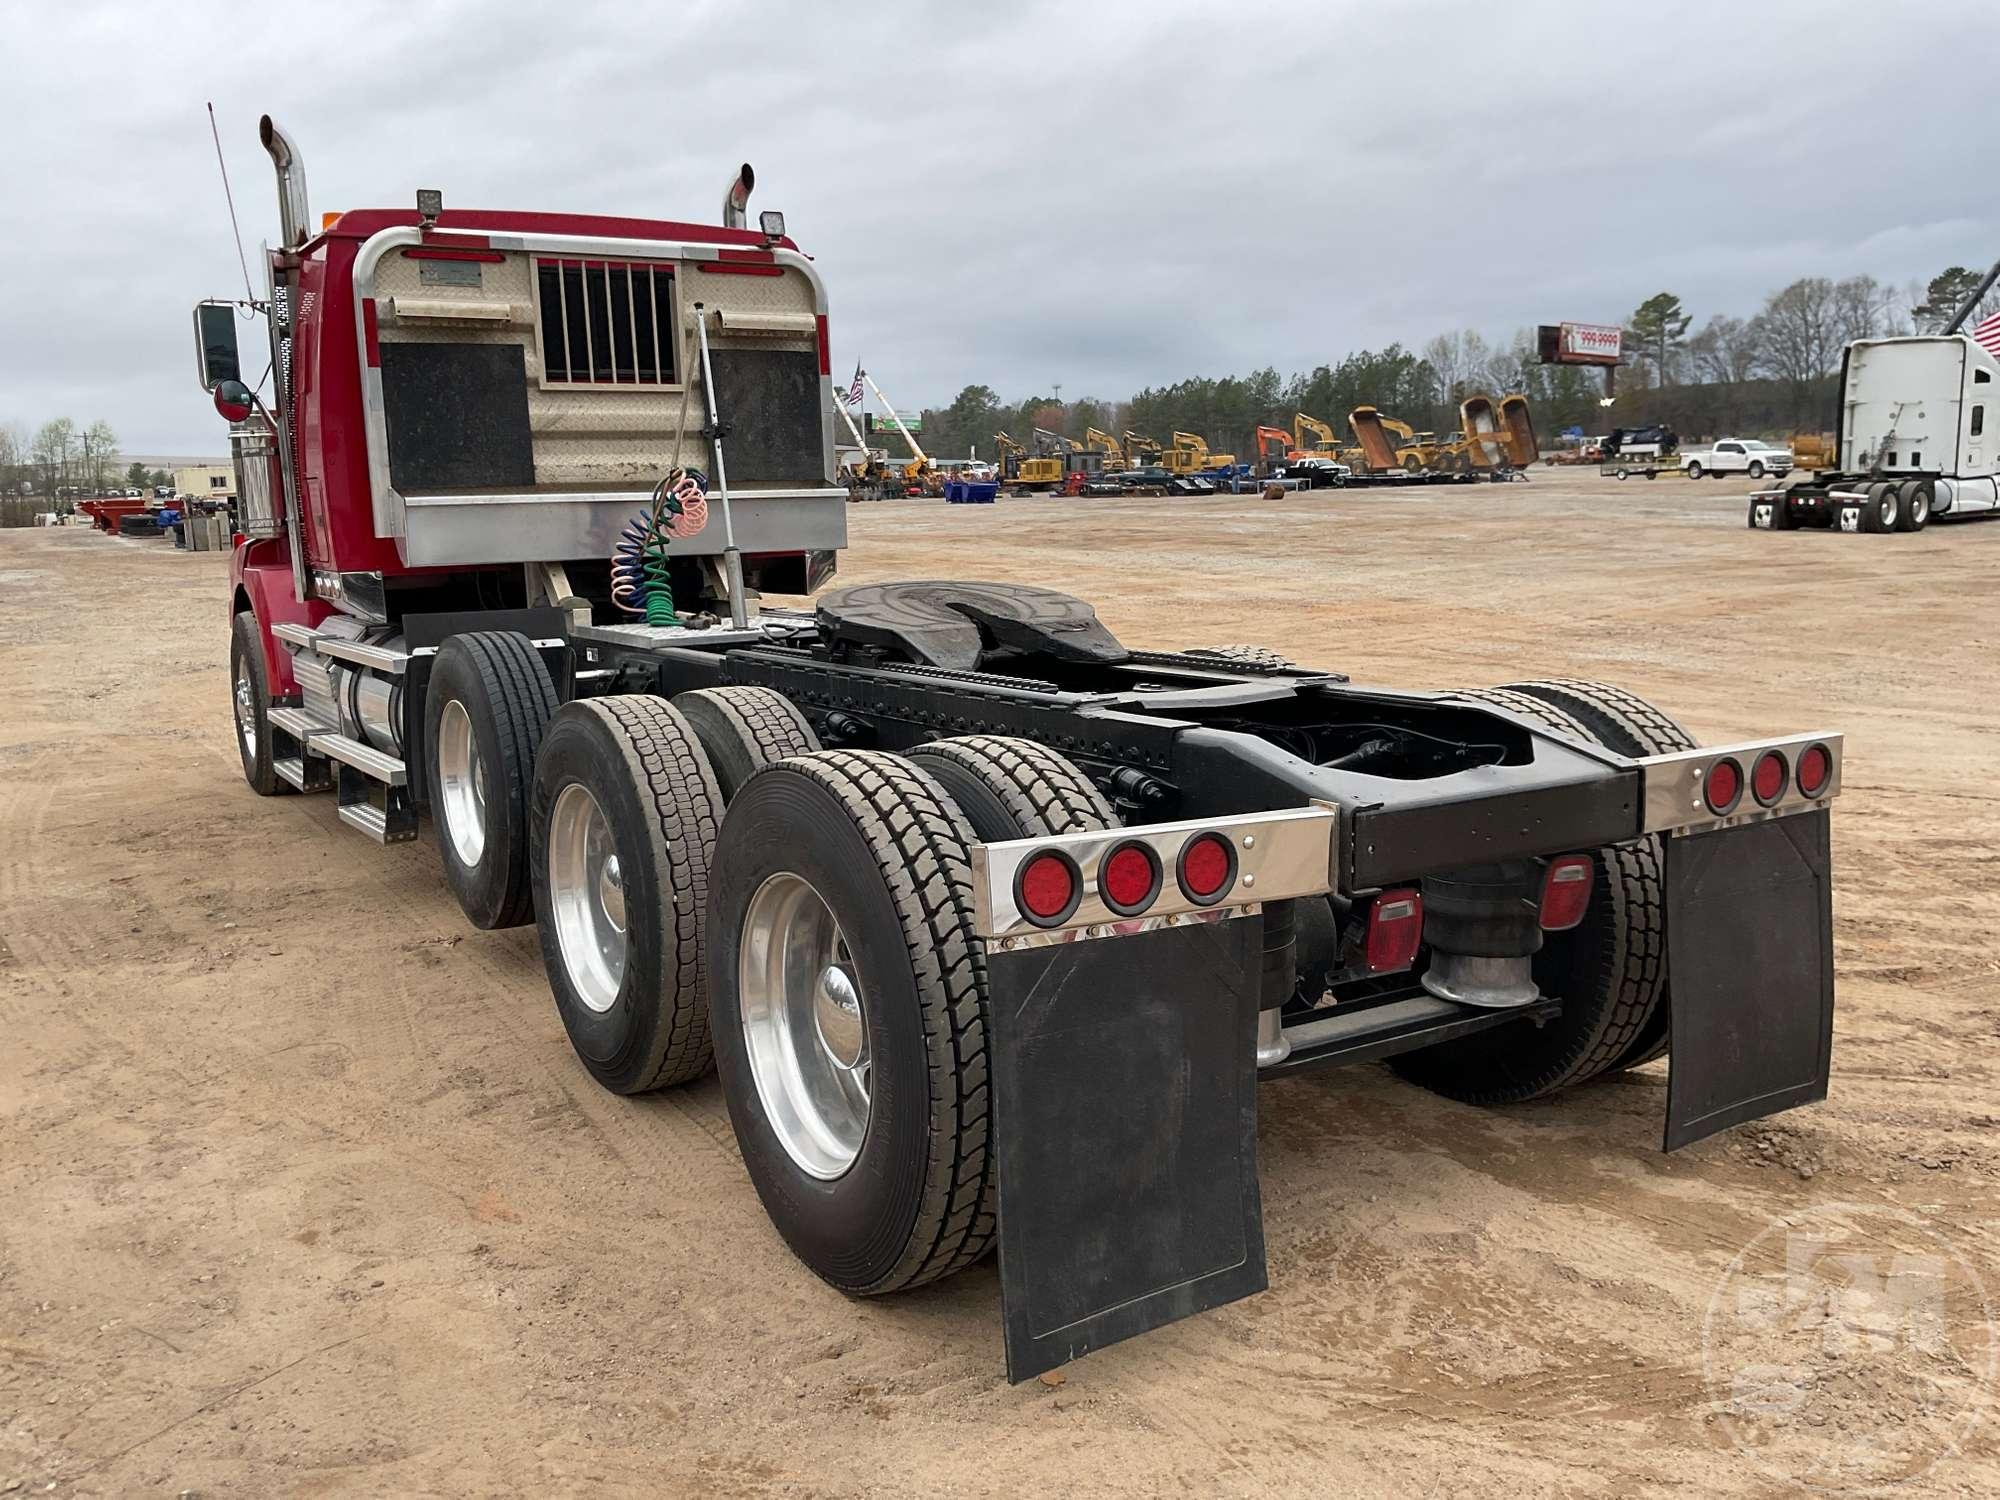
[{"x": 990, "y": 923}]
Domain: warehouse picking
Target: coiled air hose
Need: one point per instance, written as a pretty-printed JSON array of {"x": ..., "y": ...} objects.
[{"x": 641, "y": 581}]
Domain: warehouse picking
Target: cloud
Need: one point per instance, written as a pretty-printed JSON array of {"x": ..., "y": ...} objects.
[{"x": 1103, "y": 196}]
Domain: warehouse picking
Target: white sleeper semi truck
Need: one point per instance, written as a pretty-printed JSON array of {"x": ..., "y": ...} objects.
[{"x": 1916, "y": 441}]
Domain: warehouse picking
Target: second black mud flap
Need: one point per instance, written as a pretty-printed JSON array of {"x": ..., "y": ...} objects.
[
  {"x": 1125, "y": 1117},
  {"x": 1750, "y": 973}
]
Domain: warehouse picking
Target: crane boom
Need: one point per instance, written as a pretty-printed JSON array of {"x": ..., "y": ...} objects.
[{"x": 916, "y": 452}]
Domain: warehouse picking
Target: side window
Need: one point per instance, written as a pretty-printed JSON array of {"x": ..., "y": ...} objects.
[
  {"x": 1978, "y": 420},
  {"x": 1981, "y": 377}
]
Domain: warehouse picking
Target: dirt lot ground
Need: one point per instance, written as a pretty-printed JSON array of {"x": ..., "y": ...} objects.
[{"x": 302, "y": 1192}]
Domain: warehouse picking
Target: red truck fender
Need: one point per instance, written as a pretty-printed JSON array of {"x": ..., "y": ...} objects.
[{"x": 261, "y": 579}]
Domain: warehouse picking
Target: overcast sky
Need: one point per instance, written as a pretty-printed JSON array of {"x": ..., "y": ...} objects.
[{"x": 1101, "y": 195}]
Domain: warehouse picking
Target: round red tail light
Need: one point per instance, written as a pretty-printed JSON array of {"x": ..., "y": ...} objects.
[
  {"x": 1723, "y": 787},
  {"x": 1129, "y": 878},
  {"x": 1207, "y": 868},
  {"x": 1048, "y": 888},
  {"x": 1769, "y": 778},
  {"x": 1815, "y": 770}
]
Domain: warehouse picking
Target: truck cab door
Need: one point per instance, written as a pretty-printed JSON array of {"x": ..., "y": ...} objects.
[{"x": 1728, "y": 457}]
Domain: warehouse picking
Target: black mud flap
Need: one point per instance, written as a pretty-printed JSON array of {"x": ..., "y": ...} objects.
[
  {"x": 1750, "y": 955},
  {"x": 1125, "y": 1112}
]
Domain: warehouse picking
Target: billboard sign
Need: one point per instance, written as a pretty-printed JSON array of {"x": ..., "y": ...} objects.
[{"x": 1580, "y": 343}]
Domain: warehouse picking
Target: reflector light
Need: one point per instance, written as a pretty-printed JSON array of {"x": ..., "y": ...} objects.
[
  {"x": 1723, "y": 788},
  {"x": 1815, "y": 770},
  {"x": 1566, "y": 891},
  {"x": 1047, "y": 888},
  {"x": 1395, "y": 930},
  {"x": 1769, "y": 777},
  {"x": 1207, "y": 868},
  {"x": 1129, "y": 879}
]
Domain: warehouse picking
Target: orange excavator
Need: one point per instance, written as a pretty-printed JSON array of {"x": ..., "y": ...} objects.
[{"x": 1268, "y": 438}]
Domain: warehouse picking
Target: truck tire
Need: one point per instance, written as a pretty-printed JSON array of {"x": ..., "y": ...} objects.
[
  {"x": 1756, "y": 468},
  {"x": 859, "y": 1094},
  {"x": 1882, "y": 511},
  {"x": 1013, "y": 788},
  {"x": 1249, "y": 656},
  {"x": 1914, "y": 502},
  {"x": 1608, "y": 972},
  {"x": 623, "y": 823},
  {"x": 488, "y": 705},
  {"x": 1694, "y": 469},
  {"x": 745, "y": 729},
  {"x": 250, "y": 705},
  {"x": 1626, "y": 723}
]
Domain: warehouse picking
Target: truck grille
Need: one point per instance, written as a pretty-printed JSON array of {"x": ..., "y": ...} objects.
[{"x": 606, "y": 322}]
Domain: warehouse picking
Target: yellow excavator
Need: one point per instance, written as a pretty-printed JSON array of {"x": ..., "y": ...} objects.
[
  {"x": 1141, "y": 451},
  {"x": 1024, "y": 471},
  {"x": 1114, "y": 456},
  {"x": 1190, "y": 455},
  {"x": 1323, "y": 445}
]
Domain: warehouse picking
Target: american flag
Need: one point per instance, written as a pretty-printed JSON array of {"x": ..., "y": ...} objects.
[
  {"x": 1988, "y": 334},
  {"x": 854, "y": 390}
]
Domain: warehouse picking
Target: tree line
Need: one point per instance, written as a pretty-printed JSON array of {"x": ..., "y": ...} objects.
[
  {"x": 1773, "y": 373},
  {"x": 65, "y": 457}
]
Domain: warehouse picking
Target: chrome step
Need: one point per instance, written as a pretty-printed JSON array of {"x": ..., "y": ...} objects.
[
  {"x": 368, "y": 818},
  {"x": 364, "y": 758},
  {"x": 291, "y": 768},
  {"x": 296, "y": 722},
  {"x": 358, "y": 652}
]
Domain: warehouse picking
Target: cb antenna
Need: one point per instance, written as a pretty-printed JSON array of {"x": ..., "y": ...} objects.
[{"x": 230, "y": 198}]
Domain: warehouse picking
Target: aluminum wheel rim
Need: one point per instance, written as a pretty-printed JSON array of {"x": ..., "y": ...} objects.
[
  {"x": 1886, "y": 508},
  {"x": 587, "y": 897},
  {"x": 1920, "y": 508},
  {"x": 461, "y": 785},
  {"x": 246, "y": 710},
  {"x": 805, "y": 1025}
]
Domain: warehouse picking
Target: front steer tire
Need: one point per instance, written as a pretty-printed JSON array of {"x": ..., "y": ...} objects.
[
  {"x": 490, "y": 698},
  {"x": 1608, "y": 972},
  {"x": 883, "y": 847},
  {"x": 640, "y": 763},
  {"x": 250, "y": 706}
]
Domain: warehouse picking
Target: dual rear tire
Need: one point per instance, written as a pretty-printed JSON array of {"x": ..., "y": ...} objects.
[
  {"x": 1610, "y": 972},
  {"x": 849, "y": 1001}
]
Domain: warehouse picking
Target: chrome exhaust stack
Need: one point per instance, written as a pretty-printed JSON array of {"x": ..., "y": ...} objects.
[
  {"x": 736, "y": 202},
  {"x": 294, "y": 217}
]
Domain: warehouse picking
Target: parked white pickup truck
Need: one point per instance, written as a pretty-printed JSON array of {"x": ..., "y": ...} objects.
[{"x": 1737, "y": 456}]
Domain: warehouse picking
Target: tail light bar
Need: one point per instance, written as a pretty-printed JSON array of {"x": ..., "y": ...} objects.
[
  {"x": 1693, "y": 791},
  {"x": 1086, "y": 885}
]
